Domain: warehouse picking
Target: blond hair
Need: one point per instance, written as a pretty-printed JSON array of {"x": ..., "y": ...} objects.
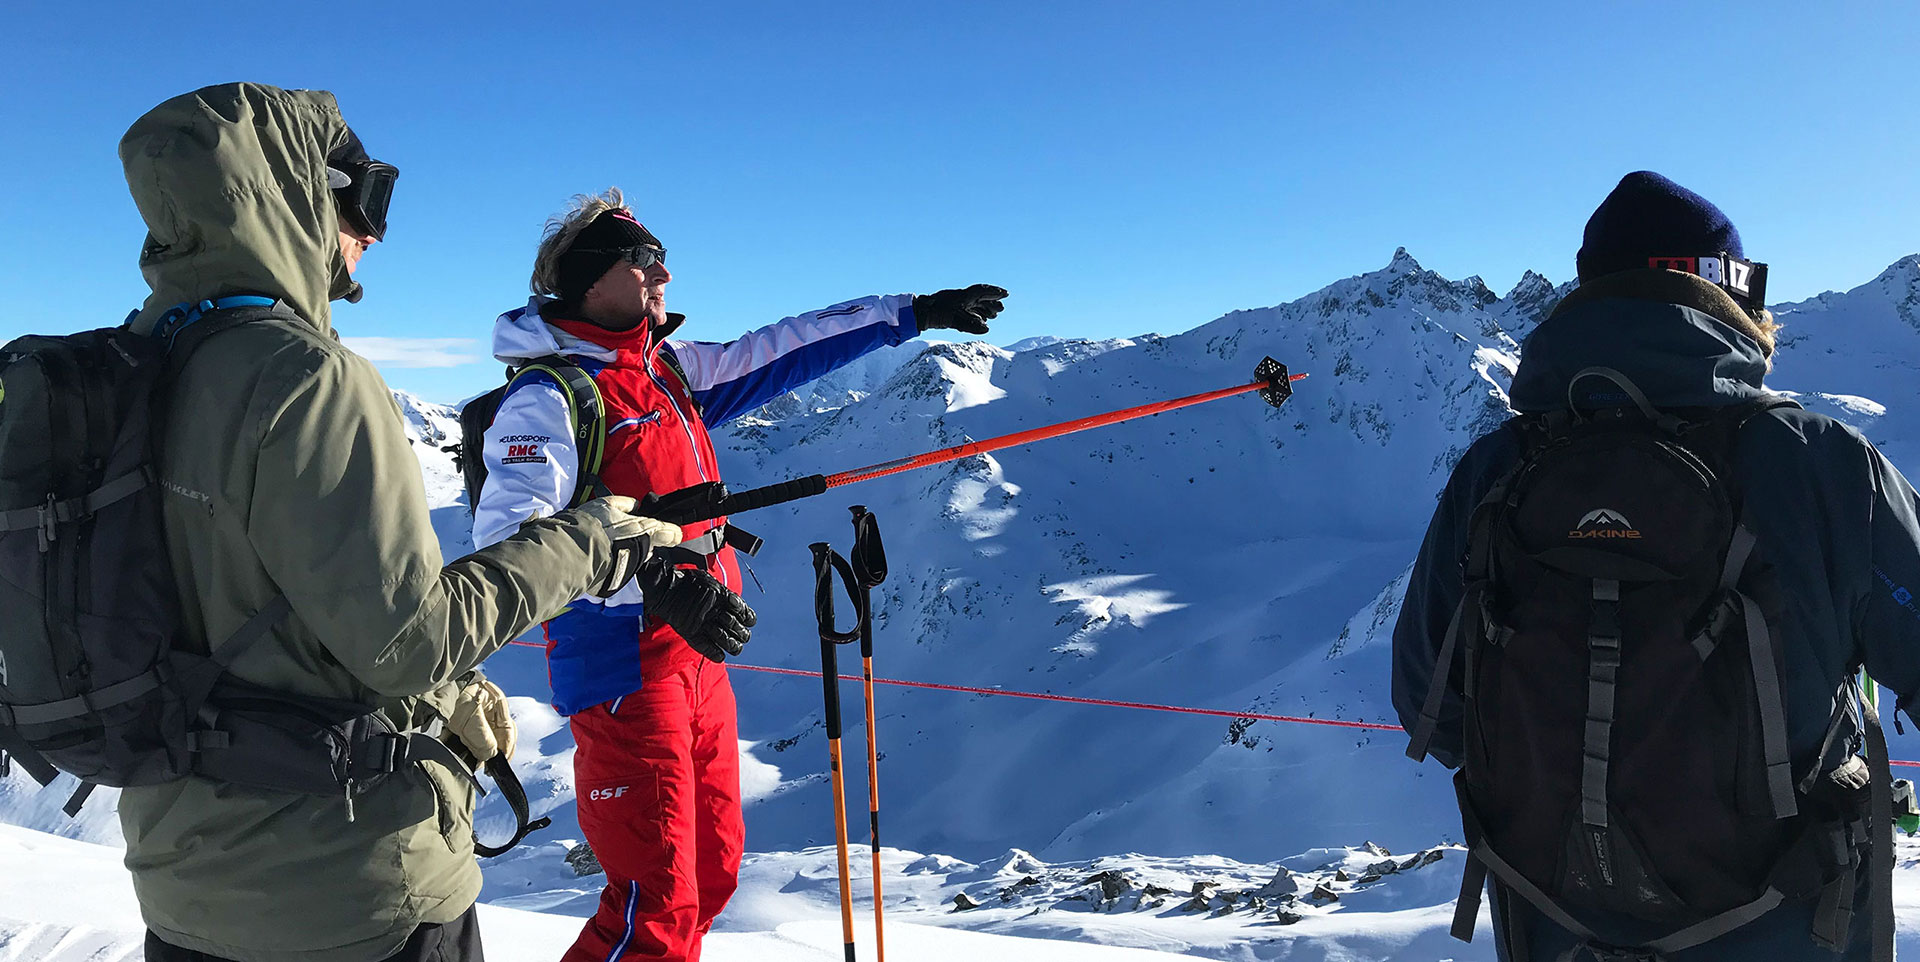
[{"x": 562, "y": 229}]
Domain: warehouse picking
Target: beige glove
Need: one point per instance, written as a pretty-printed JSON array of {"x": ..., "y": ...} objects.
[
  {"x": 481, "y": 720},
  {"x": 633, "y": 537}
]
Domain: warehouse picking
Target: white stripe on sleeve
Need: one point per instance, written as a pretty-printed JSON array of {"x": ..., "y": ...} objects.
[{"x": 708, "y": 364}]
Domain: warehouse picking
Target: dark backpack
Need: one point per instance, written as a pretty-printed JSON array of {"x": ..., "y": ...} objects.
[
  {"x": 95, "y": 678},
  {"x": 1625, "y": 768},
  {"x": 586, "y": 414},
  {"x": 90, "y": 682}
]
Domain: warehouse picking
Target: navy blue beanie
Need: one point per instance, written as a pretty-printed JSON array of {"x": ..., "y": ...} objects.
[{"x": 1650, "y": 216}]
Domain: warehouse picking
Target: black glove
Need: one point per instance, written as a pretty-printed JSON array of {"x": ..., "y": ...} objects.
[
  {"x": 714, "y": 621},
  {"x": 967, "y": 311}
]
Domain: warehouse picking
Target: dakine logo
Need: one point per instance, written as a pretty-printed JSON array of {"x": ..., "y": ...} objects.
[
  {"x": 1604, "y": 523},
  {"x": 524, "y": 449},
  {"x": 606, "y": 794}
]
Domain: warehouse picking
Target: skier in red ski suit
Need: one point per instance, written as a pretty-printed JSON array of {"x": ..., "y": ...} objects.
[{"x": 639, "y": 673}]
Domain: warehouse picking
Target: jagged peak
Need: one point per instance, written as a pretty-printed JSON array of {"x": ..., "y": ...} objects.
[
  {"x": 1403, "y": 263},
  {"x": 1478, "y": 289},
  {"x": 1531, "y": 285},
  {"x": 1905, "y": 271}
]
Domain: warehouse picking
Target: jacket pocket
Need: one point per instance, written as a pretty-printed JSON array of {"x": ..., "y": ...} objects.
[{"x": 454, "y": 801}]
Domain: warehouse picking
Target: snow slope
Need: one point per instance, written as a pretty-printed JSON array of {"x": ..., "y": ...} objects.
[
  {"x": 80, "y": 908},
  {"x": 1338, "y": 905}
]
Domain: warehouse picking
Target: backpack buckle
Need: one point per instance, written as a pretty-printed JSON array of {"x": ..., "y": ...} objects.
[
  {"x": 393, "y": 752},
  {"x": 49, "y": 515}
]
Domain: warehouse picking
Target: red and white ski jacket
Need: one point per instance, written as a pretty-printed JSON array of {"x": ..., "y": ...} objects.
[{"x": 656, "y": 443}]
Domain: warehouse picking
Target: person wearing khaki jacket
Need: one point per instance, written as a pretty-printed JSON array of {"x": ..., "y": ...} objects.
[{"x": 288, "y": 472}]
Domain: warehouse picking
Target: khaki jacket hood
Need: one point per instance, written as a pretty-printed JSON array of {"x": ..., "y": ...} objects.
[{"x": 232, "y": 183}]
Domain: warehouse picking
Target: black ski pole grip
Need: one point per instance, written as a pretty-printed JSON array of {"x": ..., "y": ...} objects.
[
  {"x": 756, "y": 498},
  {"x": 689, "y": 505}
]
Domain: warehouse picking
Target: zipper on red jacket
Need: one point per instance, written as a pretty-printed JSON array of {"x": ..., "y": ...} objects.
[{"x": 646, "y": 363}]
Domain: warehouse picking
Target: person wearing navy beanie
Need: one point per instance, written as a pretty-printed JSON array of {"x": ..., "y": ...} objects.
[
  {"x": 1640, "y": 621},
  {"x": 1647, "y": 219}
]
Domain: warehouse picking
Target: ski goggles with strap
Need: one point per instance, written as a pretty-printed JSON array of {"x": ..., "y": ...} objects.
[
  {"x": 363, "y": 190},
  {"x": 642, "y": 257},
  {"x": 1745, "y": 280}
]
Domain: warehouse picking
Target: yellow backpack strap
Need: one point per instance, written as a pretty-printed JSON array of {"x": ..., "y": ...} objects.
[{"x": 586, "y": 417}]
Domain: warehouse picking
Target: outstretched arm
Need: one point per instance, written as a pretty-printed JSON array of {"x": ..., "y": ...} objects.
[
  {"x": 730, "y": 379},
  {"x": 339, "y": 519}
]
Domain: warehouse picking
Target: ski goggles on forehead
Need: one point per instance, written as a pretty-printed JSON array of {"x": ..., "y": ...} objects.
[
  {"x": 363, "y": 191},
  {"x": 1745, "y": 280},
  {"x": 642, "y": 257}
]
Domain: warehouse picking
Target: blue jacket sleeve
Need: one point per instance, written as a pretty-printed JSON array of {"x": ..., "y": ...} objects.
[
  {"x": 1434, "y": 590},
  {"x": 728, "y": 380}
]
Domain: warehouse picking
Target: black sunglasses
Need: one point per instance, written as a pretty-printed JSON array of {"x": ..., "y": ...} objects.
[
  {"x": 363, "y": 192},
  {"x": 640, "y": 256}
]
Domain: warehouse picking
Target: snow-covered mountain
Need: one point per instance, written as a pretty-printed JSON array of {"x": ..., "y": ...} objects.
[{"x": 1227, "y": 556}]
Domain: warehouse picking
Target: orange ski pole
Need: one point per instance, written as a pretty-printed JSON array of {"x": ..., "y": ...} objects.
[
  {"x": 705, "y": 502},
  {"x": 825, "y": 562},
  {"x": 869, "y": 570}
]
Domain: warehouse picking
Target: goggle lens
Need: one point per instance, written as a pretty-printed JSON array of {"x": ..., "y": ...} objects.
[
  {"x": 640, "y": 257},
  {"x": 364, "y": 202}
]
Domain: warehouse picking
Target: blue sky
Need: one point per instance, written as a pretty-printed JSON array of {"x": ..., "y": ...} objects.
[{"x": 1121, "y": 167}]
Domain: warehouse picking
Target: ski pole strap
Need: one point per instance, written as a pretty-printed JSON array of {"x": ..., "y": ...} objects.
[
  {"x": 825, "y": 562},
  {"x": 869, "y": 569},
  {"x": 869, "y": 555},
  {"x": 498, "y": 769}
]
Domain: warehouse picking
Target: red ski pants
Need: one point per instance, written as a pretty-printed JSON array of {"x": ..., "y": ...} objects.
[{"x": 657, "y": 777}]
